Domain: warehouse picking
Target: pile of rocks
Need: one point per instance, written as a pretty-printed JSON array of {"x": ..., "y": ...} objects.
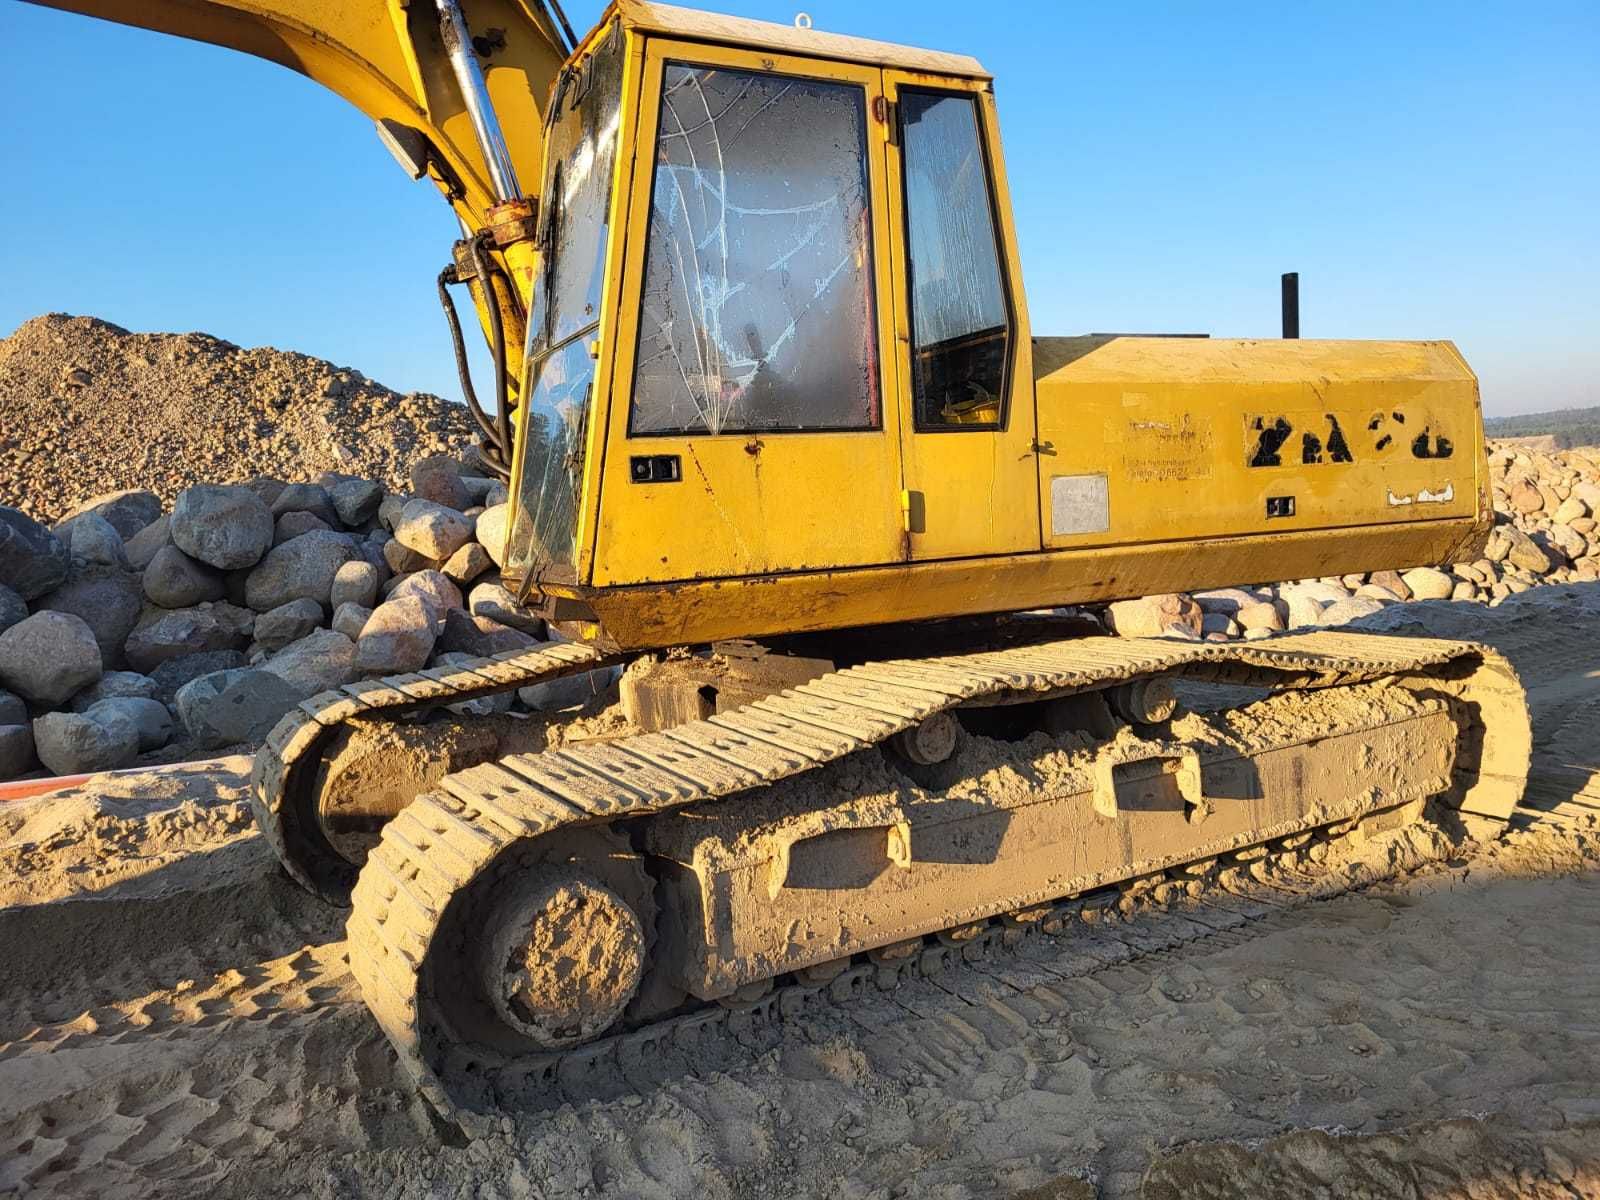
[
  {"x": 125, "y": 627},
  {"x": 87, "y": 407},
  {"x": 1547, "y": 530}
]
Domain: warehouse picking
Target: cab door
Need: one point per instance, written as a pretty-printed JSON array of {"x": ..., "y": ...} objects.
[
  {"x": 753, "y": 427},
  {"x": 965, "y": 376}
]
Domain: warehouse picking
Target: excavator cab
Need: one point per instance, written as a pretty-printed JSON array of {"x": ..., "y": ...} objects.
[{"x": 811, "y": 339}]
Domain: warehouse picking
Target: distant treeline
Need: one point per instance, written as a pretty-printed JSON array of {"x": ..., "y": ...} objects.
[{"x": 1569, "y": 426}]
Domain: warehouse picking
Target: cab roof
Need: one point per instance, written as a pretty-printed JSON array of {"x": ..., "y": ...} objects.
[{"x": 693, "y": 25}]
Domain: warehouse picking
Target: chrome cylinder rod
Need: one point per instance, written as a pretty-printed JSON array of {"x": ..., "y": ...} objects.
[{"x": 475, "y": 95}]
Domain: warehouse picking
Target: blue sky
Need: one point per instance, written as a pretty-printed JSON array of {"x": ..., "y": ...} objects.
[{"x": 1431, "y": 170}]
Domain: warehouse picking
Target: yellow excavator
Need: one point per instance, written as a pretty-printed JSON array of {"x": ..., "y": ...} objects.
[{"x": 780, "y": 441}]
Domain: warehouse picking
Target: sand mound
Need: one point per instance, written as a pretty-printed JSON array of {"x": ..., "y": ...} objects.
[{"x": 87, "y": 407}]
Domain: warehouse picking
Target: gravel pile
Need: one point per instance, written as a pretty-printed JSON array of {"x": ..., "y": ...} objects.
[
  {"x": 129, "y": 630},
  {"x": 1547, "y": 530},
  {"x": 86, "y": 408}
]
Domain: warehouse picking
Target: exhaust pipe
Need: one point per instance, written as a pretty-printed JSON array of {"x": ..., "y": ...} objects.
[{"x": 1291, "y": 304}]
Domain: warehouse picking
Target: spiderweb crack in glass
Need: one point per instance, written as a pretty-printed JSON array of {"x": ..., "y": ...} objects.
[{"x": 758, "y": 311}]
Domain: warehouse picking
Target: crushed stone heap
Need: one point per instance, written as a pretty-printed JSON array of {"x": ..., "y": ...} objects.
[{"x": 88, "y": 408}]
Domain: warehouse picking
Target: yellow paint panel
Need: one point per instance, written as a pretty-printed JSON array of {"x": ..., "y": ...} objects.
[
  {"x": 747, "y": 504},
  {"x": 1206, "y": 437}
]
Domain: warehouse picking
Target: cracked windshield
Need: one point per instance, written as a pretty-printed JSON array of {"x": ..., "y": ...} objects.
[
  {"x": 566, "y": 311},
  {"x": 757, "y": 308}
]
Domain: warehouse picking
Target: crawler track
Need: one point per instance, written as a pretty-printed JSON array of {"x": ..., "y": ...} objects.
[{"x": 477, "y": 823}]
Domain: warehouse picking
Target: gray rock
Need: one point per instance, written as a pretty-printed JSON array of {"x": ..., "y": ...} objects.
[
  {"x": 116, "y": 685},
  {"x": 13, "y": 709},
  {"x": 477, "y": 487},
  {"x": 306, "y": 497},
  {"x": 491, "y": 531},
  {"x": 398, "y": 637},
  {"x": 438, "y": 478},
  {"x": 293, "y": 524},
  {"x": 287, "y": 623},
  {"x": 356, "y": 582},
  {"x": 1426, "y": 583},
  {"x": 498, "y": 494},
  {"x": 174, "y": 580},
  {"x": 432, "y": 529},
  {"x": 33, "y": 560},
  {"x": 17, "y": 756},
  {"x": 434, "y": 589},
  {"x": 266, "y": 487},
  {"x": 13, "y": 608},
  {"x": 1344, "y": 611},
  {"x": 1522, "y": 551},
  {"x": 494, "y": 601},
  {"x": 480, "y": 636},
  {"x": 318, "y": 662},
  {"x": 350, "y": 618},
  {"x": 75, "y": 743},
  {"x": 224, "y": 527},
  {"x": 356, "y": 501},
  {"x": 143, "y": 546},
  {"x": 106, "y": 599},
  {"x": 371, "y": 550},
  {"x": 129, "y": 512},
  {"x": 402, "y": 560},
  {"x": 241, "y": 705},
  {"x": 94, "y": 541},
  {"x": 182, "y": 632},
  {"x": 390, "y": 508},
  {"x": 467, "y": 563},
  {"x": 570, "y": 692},
  {"x": 150, "y": 717},
  {"x": 171, "y": 675},
  {"x": 303, "y": 568},
  {"x": 48, "y": 657}
]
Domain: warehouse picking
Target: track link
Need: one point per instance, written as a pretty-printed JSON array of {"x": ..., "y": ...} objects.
[
  {"x": 477, "y": 823},
  {"x": 282, "y": 780}
]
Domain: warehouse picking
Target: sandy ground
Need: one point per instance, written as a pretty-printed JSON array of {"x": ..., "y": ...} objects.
[{"x": 176, "y": 1018}]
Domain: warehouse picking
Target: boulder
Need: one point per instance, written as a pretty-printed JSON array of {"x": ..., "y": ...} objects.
[
  {"x": 1522, "y": 551},
  {"x": 306, "y": 497},
  {"x": 491, "y": 531},
  {"x": 318, "y": 662},
  {"x": 1371, "y": 591},
  {"x": 1304, "y": 609},
  {"x": 240, "y": 705},
  {"x": 438, "y": 478},
  {"x": 174, "y": 580},
  {"x": 1526, "y": 498},
  {"x": 402, "y": 560},
  {"x": 1391, "y": 581},
  {"x": 398, "y": 637},
  {"x": 182, "y": 632},
  {"x": 302, "y": 568},
  {"x": 106, "y": 599},
  {"x": 1148, "y": 616},
  {"x": 13, "y": 709},
  {"x": 48, "y": 656},
  {"x": 432, "y": 529},
  {"x": 1569, "y": 510},
  {"x": 1429, "y": 583},
  {"x": 1568, "y": 541},
  {"x": 293, "y": 524},
  {"x": 465, "y": 633},
  {"x": 390, "y": 508},
  {"x": 149, "y": 716},
  {"x": 224, "y": 527},
  {"x": 1259, "y": 616},
  {"x": 287, "y": 623},
  {"x": 1498, "y": 544},
  {"x": 13, "y": 608},
  {"x": 75, "y": 743},
  {"x": 266, "y": 488},
  {"x": 477, "y": 487},
  {"x": 17, "y": 756},
  {"x": 1316, "y": 589},
  {"x": 129, "y": 512},
  {"x": 1349, "y": 610},
  {"x": 115, "y": 685},
  {"x": 95, "y": 542},
  {"x": 171, "y": 675},
  {"x": 1465, "y": 590},
  {"x": 495, "y": 601},
  {"x": 1226, "y": 601},
  {"x": 434, "y": 589},
  {"x": 33, "y": 560},
  {"x": 467, "y": 563},
  {"x": 143, "y": 546},
  {"x": 350, "y": 618},
  {"x": 356, "y": 501},
  {"x": 356, "y": 582},
  {"x": 1218, "y": 625}
]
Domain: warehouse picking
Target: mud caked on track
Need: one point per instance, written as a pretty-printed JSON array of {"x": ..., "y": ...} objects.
[{"x": 175, "y": 1014}]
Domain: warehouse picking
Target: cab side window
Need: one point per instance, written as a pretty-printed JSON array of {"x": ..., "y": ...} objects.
[
  {"x": 757, "y": 312},
  {"x": 960, "y": 318}
]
